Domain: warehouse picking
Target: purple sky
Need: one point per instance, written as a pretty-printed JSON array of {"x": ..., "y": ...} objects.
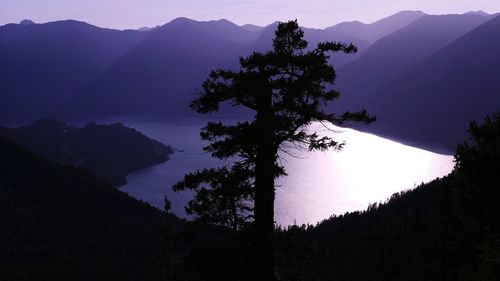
[{"x": 138, "y": 13}]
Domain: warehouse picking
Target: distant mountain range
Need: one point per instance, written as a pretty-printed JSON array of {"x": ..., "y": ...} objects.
[
  {"x": 374, "y": 31},
  {"x": 164, "y": 70},
  {"x": 71, "y": 69},
  {"x": 43, "y": 65}
]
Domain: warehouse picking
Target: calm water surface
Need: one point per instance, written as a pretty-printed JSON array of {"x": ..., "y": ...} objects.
[{"x": 368, "y": 169}]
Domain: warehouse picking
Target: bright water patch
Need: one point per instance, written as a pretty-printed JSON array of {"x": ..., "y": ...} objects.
[{"x": 368, "y": 169}]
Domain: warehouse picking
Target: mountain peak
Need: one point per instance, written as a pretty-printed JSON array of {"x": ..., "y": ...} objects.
[
  {"x": 410, "y": 12},
  {"x": 222, "y": 28},
  {"x": 145, "y": 28},
  {"x": 252, "y": 27},
  {"x": 181, "y": 21},
  {"x": 347, "y": 24},
  {"x": 371, "y": 32},
  {"x": 224, "y": 21},
  {"x": 46, "y": 125},
  {"x": 479, "y": 12},
  {"x": 48, "y": 122},
  {"x": 26, "y": 22},
  {"x": 405, "y": 16},
  {"x": 72, "y": 23}
]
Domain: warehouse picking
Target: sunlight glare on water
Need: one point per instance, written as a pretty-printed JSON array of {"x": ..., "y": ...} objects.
[{"x": 368, "y": 169}]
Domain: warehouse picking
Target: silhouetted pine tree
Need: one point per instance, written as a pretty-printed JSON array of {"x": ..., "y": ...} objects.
[{"x": 287, "y": 88}]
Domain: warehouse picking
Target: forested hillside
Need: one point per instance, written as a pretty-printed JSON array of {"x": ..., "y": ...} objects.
[{"x": 61, "y": 223}]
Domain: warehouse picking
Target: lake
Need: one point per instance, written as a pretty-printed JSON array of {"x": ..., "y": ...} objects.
[{"x": 320, "y": 184}]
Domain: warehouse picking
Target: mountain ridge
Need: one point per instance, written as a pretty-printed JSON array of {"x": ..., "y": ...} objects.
[
  {"x": 455, "y": 85},
  {"x": 386, "y": 59},
  {"x": 161, "y": 70},
  {"x": 61, "y": 223},
  {"x": 109, "y": 152},
  {"x": 374, "y": 31}
]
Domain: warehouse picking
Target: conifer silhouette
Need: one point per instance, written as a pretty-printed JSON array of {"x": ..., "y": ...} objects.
[{"x": 287, "y": 88}]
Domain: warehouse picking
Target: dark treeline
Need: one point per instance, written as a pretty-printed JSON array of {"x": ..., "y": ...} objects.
[
  {"x": 61, "y": 223},
  {"x": 414, "y": 236}
]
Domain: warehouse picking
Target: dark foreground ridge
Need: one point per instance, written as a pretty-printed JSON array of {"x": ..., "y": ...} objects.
[
  {"x": 109, "y": 152},
  {"x": 61, "y": 223},
  {"x": 416, "y": 235}
]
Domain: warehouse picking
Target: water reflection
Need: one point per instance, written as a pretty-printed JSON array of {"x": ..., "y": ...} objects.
[{"x": 368, "y": 169}]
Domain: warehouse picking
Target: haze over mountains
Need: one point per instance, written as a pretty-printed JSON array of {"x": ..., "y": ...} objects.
[
  {"x": 437, "y": 97},
  {"x": 72, "y": 69},
  {"x": 374, "y": 31},
  {"x": 391, "y": 55},
  {"x": 364, "y": 81},
  {"x": 44, "y": 64}
]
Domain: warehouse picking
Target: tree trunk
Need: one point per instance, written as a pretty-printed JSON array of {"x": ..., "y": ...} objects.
[{"x": 264, "y": 194}]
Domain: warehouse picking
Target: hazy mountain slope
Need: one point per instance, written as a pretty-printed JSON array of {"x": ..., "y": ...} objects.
[
  {"x": 109, "y": 152},
  {"x": 252, "y": 27},
  {"x": 44, "y": 64},
  {"x": 60, "y": 223},
  {"x": 435, "y": 99},
  {"x": 376, "y": 30},
  {"x": 160, "y": 75},
  {"x": 72, "y": 69},
  {"x": 395, "y": 53}
]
